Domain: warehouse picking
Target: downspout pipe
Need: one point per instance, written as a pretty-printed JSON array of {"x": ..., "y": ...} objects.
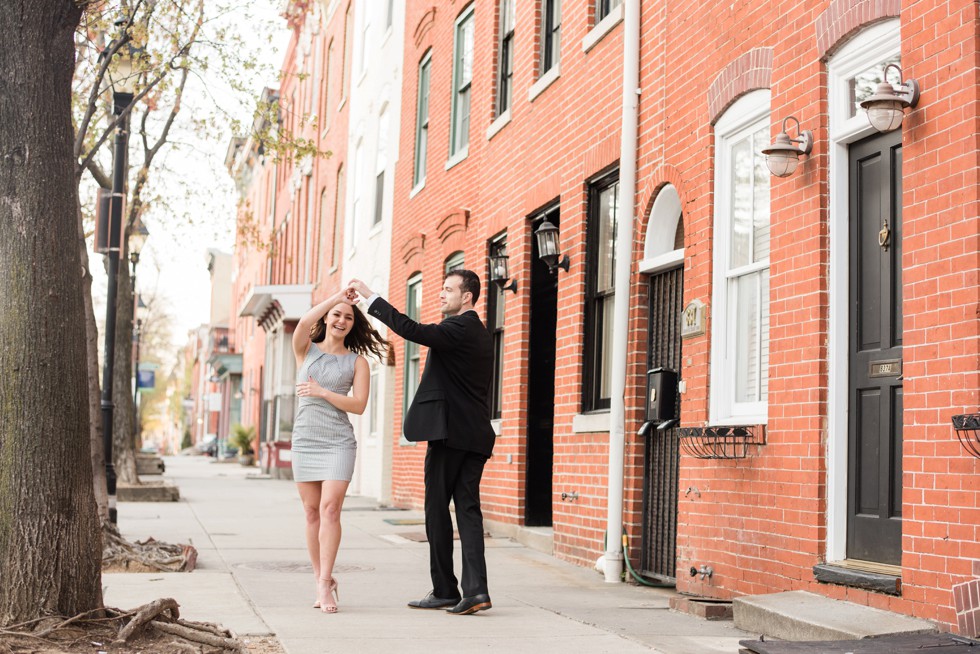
[{"x": 613, "y": 557}]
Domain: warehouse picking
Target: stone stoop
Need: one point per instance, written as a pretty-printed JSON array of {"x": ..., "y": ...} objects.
[
  {"x": 541, "y": 539},
  {"x": 149, "y": 464},
  {"x": 702, "y": 607},
  {"x": 148, "y": 491},
  {"x": 799, "y": 615}
]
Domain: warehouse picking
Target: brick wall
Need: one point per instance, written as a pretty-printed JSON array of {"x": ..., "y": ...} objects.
[{"x": 760, "y": 522}]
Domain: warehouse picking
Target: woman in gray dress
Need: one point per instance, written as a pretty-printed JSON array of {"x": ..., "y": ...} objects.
[{"x": 333, "y": 380}]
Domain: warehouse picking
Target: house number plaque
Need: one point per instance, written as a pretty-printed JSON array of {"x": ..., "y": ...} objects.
[
  {"x": 692, "y": 320},
  {"x": 885, "y": 368}
]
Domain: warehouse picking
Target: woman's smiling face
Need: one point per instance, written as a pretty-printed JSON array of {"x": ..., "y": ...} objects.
[{"x": 340, "y": 320}]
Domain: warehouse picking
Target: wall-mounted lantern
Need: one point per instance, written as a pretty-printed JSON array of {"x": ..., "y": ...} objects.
[
  {"x": 782, "y": 156},
  {"x": 499, "y": 272},
  {"x": 886, "y": 108},
  {"x": 549, "y": 249}
]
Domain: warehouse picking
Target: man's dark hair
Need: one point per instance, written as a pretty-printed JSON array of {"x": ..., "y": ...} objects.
[{"x": 468, "y": 281}]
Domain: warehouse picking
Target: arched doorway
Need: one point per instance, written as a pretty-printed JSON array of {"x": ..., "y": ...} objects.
[{"x": 663, "y": 267}]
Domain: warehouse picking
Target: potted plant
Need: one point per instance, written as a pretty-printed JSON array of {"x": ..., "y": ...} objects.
[{"x": 242, "y": 437}]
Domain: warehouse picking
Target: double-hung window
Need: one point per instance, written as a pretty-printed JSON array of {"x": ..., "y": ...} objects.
[
  {"x": 550, "y": 34},
  {"x": 462, "y": 82},
  {"x": 505, "y": 58},
  {"x": 603, "y": 7},
  {"x": 381, "y": 165},
  {"x": 495, "y": 325},
  {"x": 413, "y": 353},
  {"x": 740, "y": 333},
  {"x": 599, "y": 289},
  {"x": 338, "y": 219},
  {"x": 348, "y": 49},
  {"x": 422, "y": 121}
]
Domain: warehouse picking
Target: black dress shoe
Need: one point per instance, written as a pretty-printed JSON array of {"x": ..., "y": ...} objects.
[
  {"x": 430, "y": 601},
  {"x": 473, "y": 604}
]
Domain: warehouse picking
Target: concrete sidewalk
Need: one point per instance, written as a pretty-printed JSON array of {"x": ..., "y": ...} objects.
[{"x": 254, "y": 577}]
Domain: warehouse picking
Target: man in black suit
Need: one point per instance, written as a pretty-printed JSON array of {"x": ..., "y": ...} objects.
[{"x": 450, "y": 411}]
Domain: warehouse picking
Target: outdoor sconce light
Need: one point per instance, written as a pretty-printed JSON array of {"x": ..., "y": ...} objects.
[
  {"x": 548, "y": 250},
  {"x": 886, "y": 108},
  {"x": 499, "y": 272},
  {"x": 782, "y": 156}
]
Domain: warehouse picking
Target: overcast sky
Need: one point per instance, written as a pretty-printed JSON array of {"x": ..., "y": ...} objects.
[{"x": 173, "y": 264}]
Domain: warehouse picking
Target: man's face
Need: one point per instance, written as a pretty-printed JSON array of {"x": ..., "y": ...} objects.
[{"x": 451, "y": 298}]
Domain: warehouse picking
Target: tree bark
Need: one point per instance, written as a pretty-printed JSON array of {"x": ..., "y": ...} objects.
[
  {"x": 124, "y": 414},
  {"x": 94, "y": 392},
  {"x": 50, "y": 543}
]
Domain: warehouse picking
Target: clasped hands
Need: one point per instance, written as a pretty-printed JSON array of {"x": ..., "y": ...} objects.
[{"x": 356, "y": 291}]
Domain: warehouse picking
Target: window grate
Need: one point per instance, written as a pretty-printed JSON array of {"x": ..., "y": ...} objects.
[{"x": 967, "y": 427}]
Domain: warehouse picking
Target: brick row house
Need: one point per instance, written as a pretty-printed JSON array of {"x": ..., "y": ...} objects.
[
  {"x": 307, "y": 222},
  {"x": 747, "y": 362}
]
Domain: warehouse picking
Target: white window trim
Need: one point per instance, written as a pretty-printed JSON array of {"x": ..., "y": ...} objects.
[
  {"x": 544, "y": 82},
  {"x": 723, "y": 410},
  {"x": 587, "y": 423},
  {"x": 426, "y": 60},
  {"x": 458, "y": 157},
  {"x": 501, "y": 122},
  {"x": 872, "y": 45},
  {"x": 460, "y": 153},
  {"x": 662, "y": 262},
  {"x": 603, "y": 27}
]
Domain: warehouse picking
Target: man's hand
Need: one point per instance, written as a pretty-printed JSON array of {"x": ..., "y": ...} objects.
[{"x": 361, "y": 288}]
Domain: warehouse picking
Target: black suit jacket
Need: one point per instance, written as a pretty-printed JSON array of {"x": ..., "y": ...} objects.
[{"x": 452, "y": 400}]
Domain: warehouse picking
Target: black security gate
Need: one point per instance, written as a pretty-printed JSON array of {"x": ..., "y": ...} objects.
[{"x": 662, "y": 451}]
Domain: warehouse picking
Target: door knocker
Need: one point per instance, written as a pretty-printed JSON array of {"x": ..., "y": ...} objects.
[{"x": 884, "y": 236}]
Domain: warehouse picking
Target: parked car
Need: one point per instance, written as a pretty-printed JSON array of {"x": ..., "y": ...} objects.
[{"x": 208, "y": 446}]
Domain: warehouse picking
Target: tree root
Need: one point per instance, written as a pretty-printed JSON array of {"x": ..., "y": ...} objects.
[
  {"x": 146, "y": 613},
  {"x": 161, "y": 615},
  {"x": 164, "y": 616},
  {"x": 148, "y": 554}
]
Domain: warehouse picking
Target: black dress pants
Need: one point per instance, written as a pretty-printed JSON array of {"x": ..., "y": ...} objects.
[{"x": 452, "y": 474}]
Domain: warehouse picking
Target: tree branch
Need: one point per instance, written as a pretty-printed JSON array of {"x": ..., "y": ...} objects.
[
  {"x": 122, "y": 116},
  {"x": 98, "y": 174},
  {"x": 106, "y": 59}
]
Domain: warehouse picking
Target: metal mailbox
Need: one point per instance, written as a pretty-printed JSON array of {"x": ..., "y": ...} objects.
[{"x": 661, "y": 395}]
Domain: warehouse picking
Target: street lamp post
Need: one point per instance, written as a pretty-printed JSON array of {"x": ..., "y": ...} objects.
[
  {"x": 137, "y": 239},
  {"x": 122, "y": 79}
]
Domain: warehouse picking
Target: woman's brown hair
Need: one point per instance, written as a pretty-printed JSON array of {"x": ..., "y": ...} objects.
[{"x": 361, "y": 339}]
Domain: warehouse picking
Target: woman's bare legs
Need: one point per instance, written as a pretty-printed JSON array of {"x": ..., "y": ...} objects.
[
  {"x": 331, "y": 503},
  {"x": 309, "y": 494}
]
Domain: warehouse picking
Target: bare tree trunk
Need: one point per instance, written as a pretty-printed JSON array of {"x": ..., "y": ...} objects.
[
  {"x": 124, "y": 415},
  {"x": 94, "y": 393},
  {"x": 50, "y": 543}
]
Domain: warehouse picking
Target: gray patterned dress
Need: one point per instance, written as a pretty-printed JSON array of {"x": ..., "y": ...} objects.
[{"x": 323, "y": 438}]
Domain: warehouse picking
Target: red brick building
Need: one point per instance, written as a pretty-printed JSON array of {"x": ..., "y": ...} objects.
[
  {"x": 291, "y": 213},
  {"x": 831, "y": 314}
]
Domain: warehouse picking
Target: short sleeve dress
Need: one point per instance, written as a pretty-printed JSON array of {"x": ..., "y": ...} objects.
[{"x": 324, "y": 446}]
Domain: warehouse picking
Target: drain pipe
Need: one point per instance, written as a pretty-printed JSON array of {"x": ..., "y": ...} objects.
[{"x": 613, "y": 557}]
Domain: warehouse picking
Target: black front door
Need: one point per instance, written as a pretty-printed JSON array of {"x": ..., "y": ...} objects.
[
  {"x": 543, "y": 319},
  {"x": 874, "y": 468},
  {"x": 662, "y": 447}
]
